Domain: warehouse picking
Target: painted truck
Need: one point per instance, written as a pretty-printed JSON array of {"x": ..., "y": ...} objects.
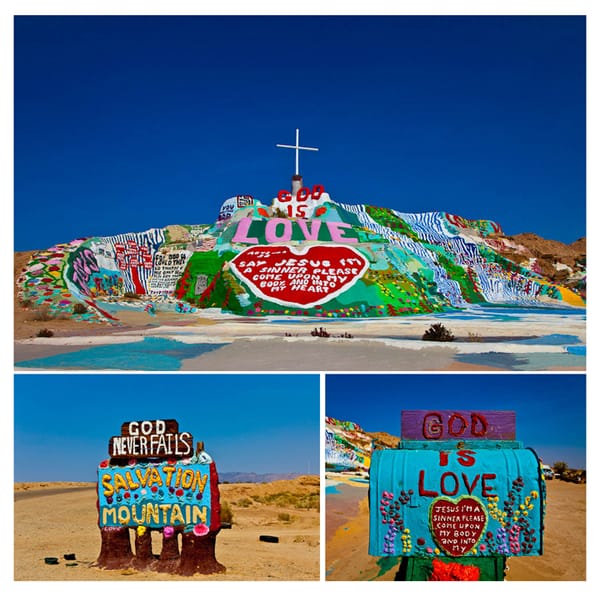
[
  {"x": 155, "y": 481},
  {"x": 457, "y": 497}
]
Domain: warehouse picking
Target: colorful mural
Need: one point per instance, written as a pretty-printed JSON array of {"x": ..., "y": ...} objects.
[
  {"x": 305, "y": 255},
  {"x": 155, "y": 481}
]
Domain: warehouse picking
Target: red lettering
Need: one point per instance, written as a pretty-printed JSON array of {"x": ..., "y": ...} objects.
[
  {"x": 463, "y": 424},
  {"x": 443, "y": 489},
  {"x": 443, "y": 458},
  {"x": 485, "y": 490},
  {"x": 284, "y": 195},
  {"x": 465, "y": 457},
  {"x": 432, "y": 426},
  {"x": 422, "y": 491},
  {"x": 470, "y": 487},
  {"x": 476, "y": 418},
  {"x": 302, "y": 194},
  {"x": 317, "y": 191}
]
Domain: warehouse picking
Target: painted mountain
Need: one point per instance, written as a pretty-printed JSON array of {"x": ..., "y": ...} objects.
[
  {"x": 304, "y": 255},
  {"x": 348, "y": 447}
]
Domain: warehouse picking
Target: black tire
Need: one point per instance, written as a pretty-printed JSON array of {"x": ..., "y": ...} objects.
[{"x": 272, "y": 539}]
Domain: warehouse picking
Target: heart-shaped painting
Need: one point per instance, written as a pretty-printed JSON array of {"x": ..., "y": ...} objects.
[
  {"x": 304, "y": 278},
  {"x": 457, "y": 526}
]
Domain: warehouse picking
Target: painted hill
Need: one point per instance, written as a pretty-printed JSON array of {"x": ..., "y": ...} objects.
[
  {"x": 348, "y": 447},
  {"x": 304, "y": 255}
]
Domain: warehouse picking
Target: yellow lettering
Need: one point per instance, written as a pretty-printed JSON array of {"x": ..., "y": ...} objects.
[
  {"x": 155, "y": 477},
  {"x": 198, "y": 514},
  {"x": 132, "y": 483},
  {"x": 200, "y": 481},
  {"x": 120, "y": 482},
  {"x": 139, "y": 520},
  {"x": 169, "y": 470},
  {"x": 186, "y": 480},
  {"x": 177, "y": 515},
  {"x": 142, "y": 477},
  {"x": 123, "y": 515},
  {"x": 106, "y": 513},
  {"x": 109, "y": 490},
  {"x": 151, "y": 512}
]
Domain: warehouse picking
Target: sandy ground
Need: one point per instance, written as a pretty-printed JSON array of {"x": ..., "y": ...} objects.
[
  {"x": 390, "y": 344},
  {"x": 56, "y": 519},
  {"x": 564, "y": 558}
]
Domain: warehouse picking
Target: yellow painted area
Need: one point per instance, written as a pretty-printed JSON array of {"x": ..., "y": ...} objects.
[{"x": 571, "y": 298}]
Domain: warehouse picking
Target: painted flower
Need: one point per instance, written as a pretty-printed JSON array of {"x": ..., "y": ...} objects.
[
  {"x": 127, "y": 494},
  {"x": 168, "y": 531},
  {"x": 179, "y": 492},
  {"x": 154, "y": 488},
  {"x": 104, "y": 463},
  {"x": 200, "y": 530},
  {"x": 482, "y": 547},
  {"x": 141, "y": 530},
  {"x": 420, "y": 541},
  {"x": 132, "y": 462}
]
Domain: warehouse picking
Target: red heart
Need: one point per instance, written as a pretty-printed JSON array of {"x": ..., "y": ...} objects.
[
  {"x": 304, "y": 278},
  {"x": 457, "y": 526}
]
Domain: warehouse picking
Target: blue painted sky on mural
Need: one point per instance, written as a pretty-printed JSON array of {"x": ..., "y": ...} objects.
[
  {"x": 249, "y": 423},
  {"x": 550, "y": 408},
  {"x": 128, "y": 123}
]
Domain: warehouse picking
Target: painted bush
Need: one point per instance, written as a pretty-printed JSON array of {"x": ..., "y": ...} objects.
[{"x": 346, "y": 261}]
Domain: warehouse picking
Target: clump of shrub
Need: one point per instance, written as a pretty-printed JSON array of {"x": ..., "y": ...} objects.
[
  {"x": 244, "y": 502},
  {"x": 42, "y": 314},
  {"x": 474, "y": 337},
  {"x": 438, "y": 332},
  {"x": 311, "y": 500},
  {"x": 45, "y": 333},
  {"x": 130, "y": 295},
  {"x": 226, "y": 512},
  {"x": 285, "y": 517},
  {"x": 79, "y": 309}
]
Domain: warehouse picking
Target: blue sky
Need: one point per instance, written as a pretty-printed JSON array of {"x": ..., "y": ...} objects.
[
  {"x": 249, "y": 423},
  {"x": 127, "y": 123},
  {"x": 550, "y": 408}
]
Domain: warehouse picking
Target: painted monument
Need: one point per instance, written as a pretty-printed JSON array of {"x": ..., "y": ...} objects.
[
  {"x": 458, "y": 496},
  {"x": 303, "y": 255},
  {"x": 156, "y": 481}
]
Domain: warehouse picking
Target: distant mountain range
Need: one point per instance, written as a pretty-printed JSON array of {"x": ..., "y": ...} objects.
[{"x": 240, "y": 477}]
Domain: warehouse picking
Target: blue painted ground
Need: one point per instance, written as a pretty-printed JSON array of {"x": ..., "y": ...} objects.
[
  {"x": 148, "y": 355},
  {"x": 525, "y": 361}
]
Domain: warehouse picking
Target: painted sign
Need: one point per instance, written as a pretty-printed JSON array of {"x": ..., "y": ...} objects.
[
  {"x": 168, "y": 268},
  {"x": 232, "y": 204},
  {"x": 154, "y": 495},
  {"x": 307, "y": 277},
  {"x": 151, "y": 439},
  {"x": 282, "y": 230},
  {"x": 463, "y": 502},
  {"x": 304, "y": 203},
  {"x": 459, "y": 425}
]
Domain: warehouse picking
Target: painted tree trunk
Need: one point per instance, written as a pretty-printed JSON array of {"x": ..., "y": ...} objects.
[
  {"x": 169, "y": 555},
  {"x": 143, "y": 550},
  {"x": 115, "y": 552},
  {"x": 198, "y": 554}
]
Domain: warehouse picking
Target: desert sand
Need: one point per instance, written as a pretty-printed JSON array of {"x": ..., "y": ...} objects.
[
  {"x": 386, "y": 344},
  {"x": 54, "y": 519},
  {"x": 564, "y": 558}
]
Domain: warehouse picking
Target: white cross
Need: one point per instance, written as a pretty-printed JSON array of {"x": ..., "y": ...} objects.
[{"x": 298, "y": 147}]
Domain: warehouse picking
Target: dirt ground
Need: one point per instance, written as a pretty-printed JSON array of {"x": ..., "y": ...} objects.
[
  {"x": 55, "y": 519},
  {"x": 564, "y": 558}
]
